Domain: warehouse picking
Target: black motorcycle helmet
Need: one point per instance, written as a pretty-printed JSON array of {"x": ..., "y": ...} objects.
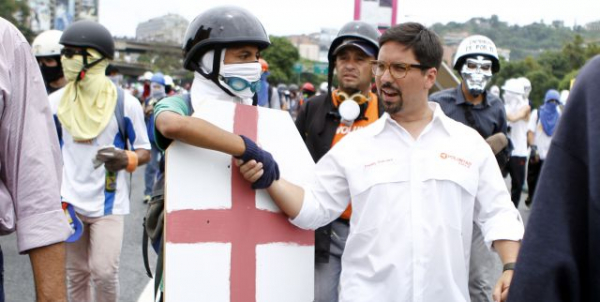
[
  {"x": 354, "y": 29},
  {"x": 217, "y": 28},
  {"x": 89, "y": 34}
]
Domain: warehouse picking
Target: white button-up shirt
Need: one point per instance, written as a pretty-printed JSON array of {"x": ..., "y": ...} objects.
[{"x": 413, "y": 203}]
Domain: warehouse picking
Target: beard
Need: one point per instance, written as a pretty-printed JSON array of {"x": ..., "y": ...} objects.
[{"x": 391, "y": 108}]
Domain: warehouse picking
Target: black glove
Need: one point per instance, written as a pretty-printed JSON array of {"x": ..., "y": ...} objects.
[
  {"x": 270, "y": 167},
  {"x": 114, "y": 159}
]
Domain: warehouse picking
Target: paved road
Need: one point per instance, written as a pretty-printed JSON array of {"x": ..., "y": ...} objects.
[{"x": 19, "y": 280}]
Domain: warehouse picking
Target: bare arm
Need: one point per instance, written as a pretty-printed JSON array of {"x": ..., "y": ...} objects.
[
  {"x": 508, "y": 251},
  {"x": 288, "y": 196},
  {"x": 198, "y": 132},
  {"x": 522, "y": 114},
  {"x": 48, "y": 265},
  {"x": 143, "y": 156}
]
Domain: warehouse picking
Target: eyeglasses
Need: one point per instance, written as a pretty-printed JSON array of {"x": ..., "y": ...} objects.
[
  {"x": 397, "y": 70},
  {"x": 70, "y": 52},
  {"x": 239, "y": 84}
]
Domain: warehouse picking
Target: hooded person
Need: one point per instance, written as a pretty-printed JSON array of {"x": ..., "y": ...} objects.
[
  {"x": 46, "y": 49},
  {"x": 324, "y": 120},
  {"x": 157, "y": 93},
  {"x": 96, "y": 154},
  {"x": 540, "y": 131},
  {"x": 517, "y": 113},
  {"x": 476, "y": 60}
]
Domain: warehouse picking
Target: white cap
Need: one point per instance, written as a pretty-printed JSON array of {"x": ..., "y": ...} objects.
[{"x": 47, "y": 44}]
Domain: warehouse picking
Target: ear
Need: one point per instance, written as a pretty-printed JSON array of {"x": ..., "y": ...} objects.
[{"x": 430, "y": 77}]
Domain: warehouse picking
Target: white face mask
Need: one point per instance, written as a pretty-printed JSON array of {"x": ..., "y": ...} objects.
[{"x": 241, "y": 79}]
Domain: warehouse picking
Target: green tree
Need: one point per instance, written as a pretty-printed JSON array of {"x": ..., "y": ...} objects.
[
  {"x": 281, "y": 56},
  {"x": 17, "y": 13},
  {"x": 574, "y": 53}
]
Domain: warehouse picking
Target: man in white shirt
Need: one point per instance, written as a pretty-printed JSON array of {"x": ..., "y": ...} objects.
[{"x": 417, "y": 180}]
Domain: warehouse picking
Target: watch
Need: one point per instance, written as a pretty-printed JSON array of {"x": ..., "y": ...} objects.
[{"x": 509, "y": 266}]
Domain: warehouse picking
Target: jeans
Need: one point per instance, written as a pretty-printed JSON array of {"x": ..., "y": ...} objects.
[
  {"x": 151, "y": 170},
  {"x": 480, "y": 269},
  {"x": 327, "y": 275}
]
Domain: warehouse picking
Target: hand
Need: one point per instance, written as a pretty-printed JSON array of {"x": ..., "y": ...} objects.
[
  {"x": 270, "y": 169},
  {"x": 251, "y": 170},
  {"x": 501, "y": 289},
  {"x": 497, "y": 142},
  {"x": 114, "y": 159}
]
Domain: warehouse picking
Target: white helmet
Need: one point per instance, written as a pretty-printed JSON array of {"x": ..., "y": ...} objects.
[
  {"x": 169, "y": 81},
  {"x": 47, "y": 44},
  {"x": 526, "y": 86},
  {"x": 323, "y": 87},
  {"x": 476, "y": 45},
  {"x": 514, "y": 86}
]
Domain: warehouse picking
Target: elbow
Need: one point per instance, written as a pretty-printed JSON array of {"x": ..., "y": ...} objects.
[{"x": 169, "y": 125}]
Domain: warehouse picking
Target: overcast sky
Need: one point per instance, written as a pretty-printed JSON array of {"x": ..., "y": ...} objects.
[{"x": 285, "y": 17}]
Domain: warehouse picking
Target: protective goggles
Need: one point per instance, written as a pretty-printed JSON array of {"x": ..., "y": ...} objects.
[
  {"x": 71, "y": 52},
  {"x": 239, "y": 84},
  {"x": 357, "y": 97}
]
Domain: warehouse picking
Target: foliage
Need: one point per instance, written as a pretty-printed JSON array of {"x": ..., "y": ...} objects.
[
  {"x": 281, "y": 56},
  {"x": 17, "y": 13},
  {"x": 165, "y": 62}
]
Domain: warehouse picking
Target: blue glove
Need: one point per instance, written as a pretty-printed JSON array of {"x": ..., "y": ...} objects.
[{"x": 270, "y": 167}]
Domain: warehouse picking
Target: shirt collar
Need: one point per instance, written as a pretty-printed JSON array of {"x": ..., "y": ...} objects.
[{"x": 438, "y": 118}]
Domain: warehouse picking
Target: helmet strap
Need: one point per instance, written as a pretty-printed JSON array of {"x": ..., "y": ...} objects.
[
  {"x": 87, "y": 67},
  {"x": 216, "y": 68}
]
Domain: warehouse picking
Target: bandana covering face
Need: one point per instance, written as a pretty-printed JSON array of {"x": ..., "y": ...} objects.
[
  {"x": 87, "y": 105},
  {"x": 476, "y": 72}
]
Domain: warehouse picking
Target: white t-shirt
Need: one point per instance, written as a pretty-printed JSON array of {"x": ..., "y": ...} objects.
[
  {"x": 82, "y": 185},
  {"x": 541, "y": 139},
  {"x": 518, "y": 129},
  {"x": 414, "y": 203}
]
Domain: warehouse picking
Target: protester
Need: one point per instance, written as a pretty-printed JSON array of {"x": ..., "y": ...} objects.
[
  {"x": 477, "y": 60},
  {"x": 325, "y": 119},
  {"x": 226, "y": 68},
  {"x": 540, "y": 130},
  {"x": 157, "y": 93},
  {"x": 97, "y": 125},
  {"x": 30, "y": 168},
  {"x": 417, "y": 180},
  {"x": 517, "y": 113},
  {"x": 559, "y": 259},
  {"x": 47, "y": 52},
  {"x": 268, "y": 96}
]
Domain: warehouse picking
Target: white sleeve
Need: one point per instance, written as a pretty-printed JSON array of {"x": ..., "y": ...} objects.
[
  {"x": 134, "y": 121},
  {"x": 327, "y": 198},
  {"x": 494, "y": 211},
  {"x": 533, "y": 119}
]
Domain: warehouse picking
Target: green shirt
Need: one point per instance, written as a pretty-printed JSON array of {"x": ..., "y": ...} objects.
[{"x": 174, "y": 104}]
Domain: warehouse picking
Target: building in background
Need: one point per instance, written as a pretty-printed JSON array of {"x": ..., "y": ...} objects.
[
  {"x": 380, "y": 13},
  {"x": 168, "y": 29},
  {"x": 59, "y": 14}
]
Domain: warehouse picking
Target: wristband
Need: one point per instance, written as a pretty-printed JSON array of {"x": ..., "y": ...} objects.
[
  {"x": 509, "y": 266},
  {"x": 132, "y": 161}
]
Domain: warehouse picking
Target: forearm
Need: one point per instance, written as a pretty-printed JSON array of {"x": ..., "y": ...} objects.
[
  {"x": 530, "y": 138},
  {"x": 200, "y": 133},
  {"x": 507, "y": 250},
  {"x": 288, "y": 197},
  {"x": 143, "y": 156},
  {"x": 48, "y": 265}
]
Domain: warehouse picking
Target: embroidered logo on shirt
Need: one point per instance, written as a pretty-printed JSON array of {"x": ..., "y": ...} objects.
[
  {"x": 381, "y": 161},
  {"x": 460, "y": 161},
  {"x": 343, "y": 129}
]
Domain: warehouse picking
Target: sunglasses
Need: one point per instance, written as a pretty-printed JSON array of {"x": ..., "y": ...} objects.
[
  {"x": 71, "y": 52},
  {"x": 239, "y": 84}
]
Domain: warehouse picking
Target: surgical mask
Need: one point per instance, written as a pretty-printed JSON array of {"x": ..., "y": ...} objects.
[
  {"x": 476, "y": 72},
  {"x": 241, "y": 79}
]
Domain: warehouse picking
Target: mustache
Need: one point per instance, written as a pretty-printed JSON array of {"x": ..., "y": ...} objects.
[{"x": 389, "y": 86}]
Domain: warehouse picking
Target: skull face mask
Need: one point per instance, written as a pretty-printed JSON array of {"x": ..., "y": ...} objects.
[{"x": 476, "y": 72}]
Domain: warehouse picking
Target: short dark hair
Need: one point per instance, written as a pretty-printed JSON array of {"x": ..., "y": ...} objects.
[{"x": 425, "y": 43}]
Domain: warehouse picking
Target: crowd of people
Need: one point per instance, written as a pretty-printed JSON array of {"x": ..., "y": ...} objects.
[{"x": 408, "y": 201}]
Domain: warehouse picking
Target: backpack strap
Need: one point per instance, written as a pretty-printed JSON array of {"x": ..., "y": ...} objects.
[{"x": 120, "y": 115}]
